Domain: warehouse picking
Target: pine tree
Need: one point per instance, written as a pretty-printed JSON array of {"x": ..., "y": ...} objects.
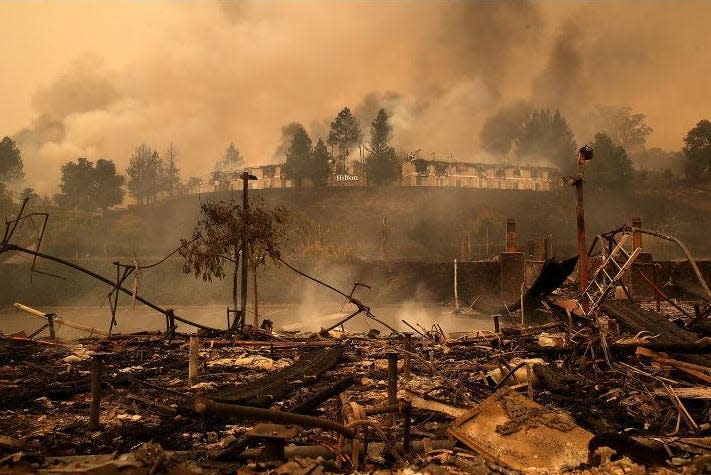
[
  {"x": 320, "y": 166},
  {"x": 298, "y": 157},
  {"x": 344, "y": 134},
  {"x": 381, "y": 164}
]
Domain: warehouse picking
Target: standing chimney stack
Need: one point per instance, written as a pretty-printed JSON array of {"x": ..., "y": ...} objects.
[{"x": 510, "y": 235}]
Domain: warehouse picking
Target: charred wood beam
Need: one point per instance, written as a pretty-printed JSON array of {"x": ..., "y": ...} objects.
[
  {"x": 275, "y": 386},
  {"x": 322, "y": 396}
]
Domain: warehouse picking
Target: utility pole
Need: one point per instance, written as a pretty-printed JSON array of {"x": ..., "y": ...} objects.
[
  {"x": 245, "y": 247},
  {"x": 584, "y": 154},
  {"x": 242, "y": 317}
]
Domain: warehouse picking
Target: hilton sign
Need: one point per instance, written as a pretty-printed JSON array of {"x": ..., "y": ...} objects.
[{"x": 347, "y": 178}]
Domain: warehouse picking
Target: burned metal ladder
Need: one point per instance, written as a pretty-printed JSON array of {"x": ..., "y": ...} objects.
[{"x": 606, "y": 277}]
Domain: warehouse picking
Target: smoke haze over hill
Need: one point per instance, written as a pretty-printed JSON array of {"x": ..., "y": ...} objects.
[{"x": 98, "y": 79}]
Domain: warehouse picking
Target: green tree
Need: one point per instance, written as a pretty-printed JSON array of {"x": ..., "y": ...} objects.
[
  {"x": 610, "y": 168},
  {"x": 145, "y": 175},
  {"x": 75, "y": 185},
  {"x": 88, "y": 186},
  {"x": 10, "y": 161},
  {"x": 299, "y": 157},
  {"x": 381, "y": 164},
  {"x": 107, "y": 186},
  {"x": 320, "y": 166},
  {"x": 172, "y": 172},
  {"x": 344, "y": 134},
  {"x": 547, "y": 136},
  {"x": 697, "y": 150}
]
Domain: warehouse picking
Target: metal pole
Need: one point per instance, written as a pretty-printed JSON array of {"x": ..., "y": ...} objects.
[{"x": 245, "y": 247}]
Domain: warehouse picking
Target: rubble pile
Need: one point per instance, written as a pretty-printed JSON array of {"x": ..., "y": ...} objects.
[{"x": 575, "y": 395}]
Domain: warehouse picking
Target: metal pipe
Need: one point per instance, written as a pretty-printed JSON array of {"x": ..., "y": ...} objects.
[
  {"x": 661, "y": 294},
  {"x": 205, "y": 406},
  {"x": 684, "y": 249}
]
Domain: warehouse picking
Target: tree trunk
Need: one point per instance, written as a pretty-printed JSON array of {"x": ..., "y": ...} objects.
[{"x": 256, "y": 298}]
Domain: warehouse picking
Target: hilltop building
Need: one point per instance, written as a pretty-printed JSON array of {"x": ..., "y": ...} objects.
[
  {"x": 420, "y": 172},
  {"x": 414, "y": 172}
]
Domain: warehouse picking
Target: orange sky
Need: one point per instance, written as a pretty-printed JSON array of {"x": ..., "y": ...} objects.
[{"x": 115, "y": 74}]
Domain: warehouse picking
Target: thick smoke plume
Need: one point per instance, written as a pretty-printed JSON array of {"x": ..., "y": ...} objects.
[{"x": 208, "y": 74}]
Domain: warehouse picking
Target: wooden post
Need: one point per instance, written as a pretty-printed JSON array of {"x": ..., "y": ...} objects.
[
  {"x": 97, "y": 365},
  {"x": 497, "y": 327},
  {"x": 408, "y": 349},
  {"x": 193, "y": 369},
  {"x": 392, "y": 383},
  {"x": 50, "y": 325}
]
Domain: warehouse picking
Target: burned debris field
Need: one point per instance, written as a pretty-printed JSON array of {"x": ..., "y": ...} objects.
[
  {"x": 312, "y": 237},
  {"x": 504, "y": 378}
]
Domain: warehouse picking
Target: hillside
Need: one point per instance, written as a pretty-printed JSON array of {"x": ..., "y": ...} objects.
[{"x": 428, "y": 223}]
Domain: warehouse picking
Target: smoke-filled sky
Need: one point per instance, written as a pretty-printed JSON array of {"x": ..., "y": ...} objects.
[{"x": 97, "y": 79}]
